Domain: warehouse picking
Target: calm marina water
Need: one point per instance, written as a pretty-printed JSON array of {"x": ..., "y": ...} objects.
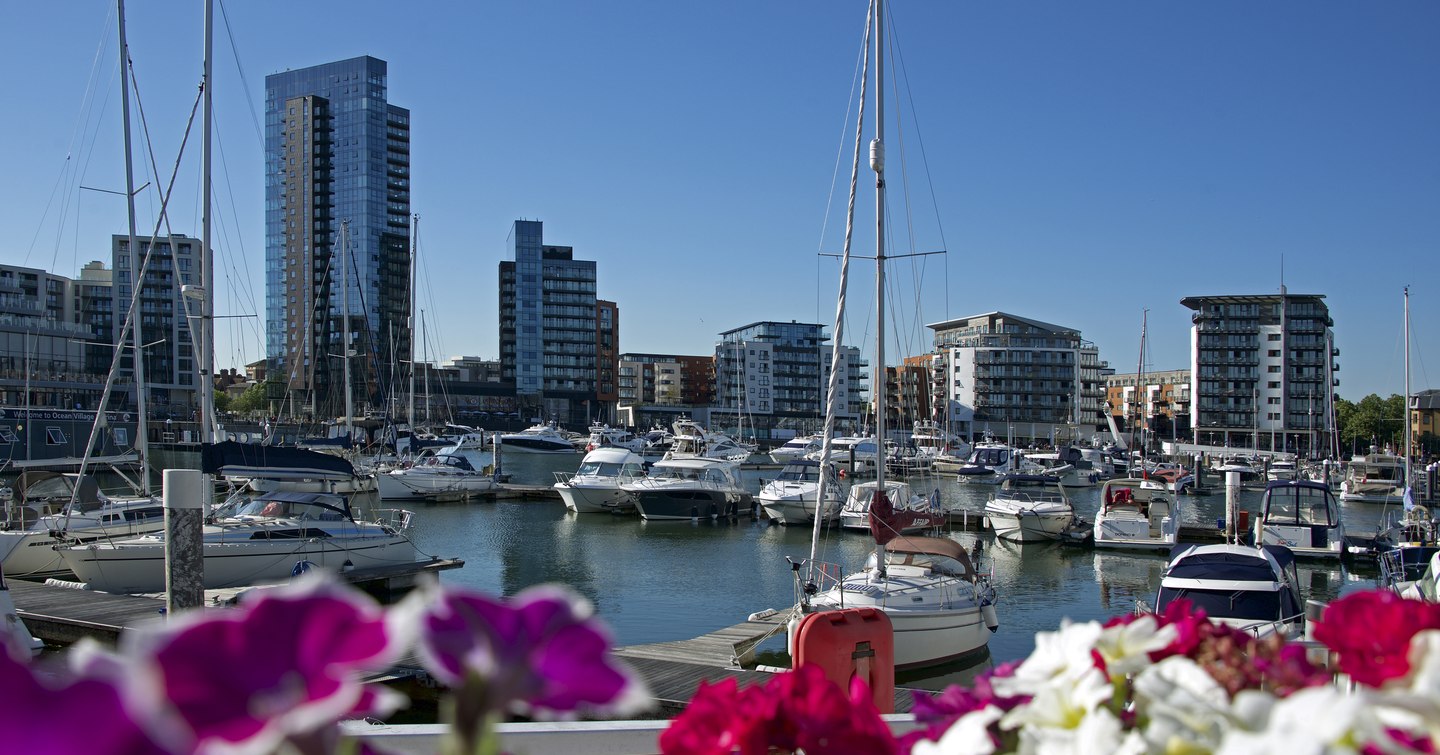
[{"x": 654, "y": 582}]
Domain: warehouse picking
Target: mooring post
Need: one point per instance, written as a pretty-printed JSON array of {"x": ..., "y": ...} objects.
[{"x": 184, "y": 497}]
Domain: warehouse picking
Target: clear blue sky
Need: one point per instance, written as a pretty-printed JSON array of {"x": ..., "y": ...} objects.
[{"x": 1087, "y": 160}]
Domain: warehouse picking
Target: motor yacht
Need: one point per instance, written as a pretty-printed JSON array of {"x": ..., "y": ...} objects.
[
  {"x": 538, "y": 439},
  {"x": 1256, "y": 590},
  {"x": 1027, "y": 516},
  {"x": 690, "y": 488},
  {"x": 595, "y": 487},
  {"x": 605, "y": 436},
  {"x": 691, "y": 441},
  {"x": 1302, "y": 516},
  {"x": 791, "y": 497},
  {"x": 1376, "y": 477},
  {"x": 795, "y": 448},
  {"x": 1138, "y": 514},
  {"x": 444, "y": 474}
]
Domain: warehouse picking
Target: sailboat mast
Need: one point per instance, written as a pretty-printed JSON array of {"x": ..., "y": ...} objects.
[
  {"x": 345, "y": 328},
  {"x": 414, "y": 264},
  {"x": 207, "y": 268},
  {"x": 138, "y": 358},
  {"x": 1408, "y": 430},
  {"x": 877, "y": 164}
]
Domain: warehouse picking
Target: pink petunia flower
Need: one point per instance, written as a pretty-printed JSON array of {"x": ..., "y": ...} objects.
[
  {"x": 1370, "y": 633},
  {"x": 799, "y": 710},
  {"x": 539, "y": 651},
  {"x": 56, "y": 711},
  {"x": 287, "y": 663}
]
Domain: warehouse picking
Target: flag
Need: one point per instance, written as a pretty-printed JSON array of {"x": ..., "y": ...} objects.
[{"x": 1409, "y": 498}]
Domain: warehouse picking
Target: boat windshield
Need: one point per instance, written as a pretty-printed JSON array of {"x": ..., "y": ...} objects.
[
  {"x": 1305, "y": 506},
  {"x": 990, "y": 457},
  {"x": 605, "y": 469},
  {"x": 800, "y": 474},
  {"x": 1228, "y": 604},
  {"x": 269, "y": 507}
]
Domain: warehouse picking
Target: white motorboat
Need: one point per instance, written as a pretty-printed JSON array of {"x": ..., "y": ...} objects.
[
  {"x": 595, "y": 486},
  {"x": 690, "y": 488},
  {"x": 258, "y": 540},
  {"x": 795, "y": 448},
  {"x": 443, "y": 475},
  {"x": 1303, "y": 517},
  {"x": 932, "y": 441},
  {"x": 1256, "y": 590},
  {"x": 1069, "y": 464},
  {"x": 855, "y": 455},
  {"x": 791, "y": 498},
  {"x": 1282, "y": 470},
  {"x": 605, "y": 436},
  {"x": 922, "y": 512},
  {"x": 1376, "y": 477},
  {"x": 942, "y": 610},
  {"x": 1027, "y": 516},
  {"x": 988, "y": 460},
  {"x": 42, "y": 514},
  {"x": 1137, "y": 514},
  {"x": 691, "y": 441},
  {"x": 538, "y": 439}
]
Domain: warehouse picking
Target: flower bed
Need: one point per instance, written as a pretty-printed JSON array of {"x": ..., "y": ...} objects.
[{"x": 283, "y": 670}]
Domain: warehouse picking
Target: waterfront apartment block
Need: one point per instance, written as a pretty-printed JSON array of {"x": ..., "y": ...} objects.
[
  {"x": 549, "y": 326},
  {"x": 775, "y": 376},
  {"x": 607, "y": 357},
  {"x": 171, "y": 366},
  {"x": 908, "y": 398},
  {"x": 1016, "y": 378},
  {"x": 655, "y": 389},
  {"x": 1263, "y": 371},
  {"x": 337, "y": 155},
  {"x": 1425, "y": 422},
  {"x": 1157, "y": 403}
]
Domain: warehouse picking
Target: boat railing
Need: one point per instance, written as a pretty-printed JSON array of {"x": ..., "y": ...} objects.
[{"x": 398, "y": 519}]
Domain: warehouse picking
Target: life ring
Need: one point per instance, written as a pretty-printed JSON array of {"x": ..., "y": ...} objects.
[{"x": 842, "y": 474}]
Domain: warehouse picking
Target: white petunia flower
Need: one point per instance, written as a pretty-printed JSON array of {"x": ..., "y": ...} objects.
[
  {"x": 1186, "y": 708},
  {"x": 1126, "y": 648},
  {"x": 970, "y": 734},
  {"x": 1099, "y": 732},
  {"x": 1314, "y": 720},
  {"x": 1063, "y": 703},
  {"x": 1062, "y": 654}
]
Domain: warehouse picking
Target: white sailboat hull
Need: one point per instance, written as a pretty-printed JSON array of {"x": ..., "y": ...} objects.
[
  {"x": 1027, "y": 522},
  {"x": 138, "y": 566}
]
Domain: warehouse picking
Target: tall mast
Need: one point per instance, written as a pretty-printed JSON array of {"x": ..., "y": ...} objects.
[
  {"x": 207, "y": 268},
  {"x": 877, "y": 164},
  {"x": 410, "y": 324},
  {"x": 1407, "y": 397},
  {"x": 345, "y": 327},
  {"x": 138, "y": 357}
]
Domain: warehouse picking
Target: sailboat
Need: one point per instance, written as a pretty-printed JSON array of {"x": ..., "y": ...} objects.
[
  {"x": 1409, "y": 546},
  {"x": 941, "y": 608},
  {"x": 302, "y": 519}
]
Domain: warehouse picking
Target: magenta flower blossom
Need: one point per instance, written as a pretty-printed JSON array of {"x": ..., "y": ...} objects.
[
  {"x": 1370, "y": 633},
  {"x": 800, "y": 710},
  {"x": 287, "y": 663},
  {"x": 937, "y": 713},
  {"x": 539, "y": 651},
  {"x": 54, "y": 711}
]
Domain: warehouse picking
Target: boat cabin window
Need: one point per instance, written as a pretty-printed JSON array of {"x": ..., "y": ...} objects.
[
  {"x": 800, "y": 474},
  {"x": 606, "y": 469},
  {"x": 934, "y": 562},
  {"x": 269, "y": 507},
  {"x": 990, "y": 457},
  {"x": 1300, "y": 506},
  {"x": 1228, "y": 604}
]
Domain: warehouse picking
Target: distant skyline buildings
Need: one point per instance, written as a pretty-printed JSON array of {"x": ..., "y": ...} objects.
[{"x": 337, "y": 163}]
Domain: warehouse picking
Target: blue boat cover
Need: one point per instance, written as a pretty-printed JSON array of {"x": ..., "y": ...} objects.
[{"x": 272, "y": 462}]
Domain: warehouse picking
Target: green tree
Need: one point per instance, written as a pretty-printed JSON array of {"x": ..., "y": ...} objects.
[
  {"x": 252, "y": 400},
  {"x": 1373, "y": 421}
]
